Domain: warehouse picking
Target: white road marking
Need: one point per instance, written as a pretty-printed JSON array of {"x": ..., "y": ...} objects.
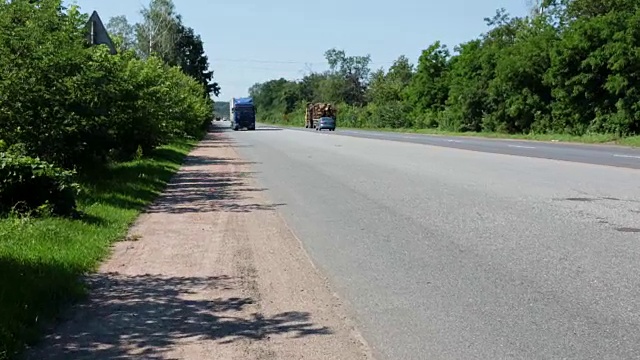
[
  {"x": 455, "y": 141},
  {"x": 627, "y": 156},
  {"x": 522, "y": 147}
]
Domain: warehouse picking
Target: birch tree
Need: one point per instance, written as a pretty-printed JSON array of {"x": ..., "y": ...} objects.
[{"x": 158, "y": 32}]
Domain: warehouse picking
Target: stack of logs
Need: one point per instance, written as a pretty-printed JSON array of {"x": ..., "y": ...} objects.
[{"x": 319, "y": 110}]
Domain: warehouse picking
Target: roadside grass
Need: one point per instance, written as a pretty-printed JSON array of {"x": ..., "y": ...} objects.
[
  {"x": 611, "y": 139},
  {"x": 42, "y": 261}
]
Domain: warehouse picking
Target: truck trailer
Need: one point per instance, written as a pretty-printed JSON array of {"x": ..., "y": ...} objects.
[
  {"x": 242, "y": 113},
  {"x": 315, "y": 111}
]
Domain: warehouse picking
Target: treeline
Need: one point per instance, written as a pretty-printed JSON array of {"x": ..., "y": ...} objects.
[
  {"x": 221, "y": 109},
  {"x": 67, "y": 106},
  {"x": 571, "y": 67}
]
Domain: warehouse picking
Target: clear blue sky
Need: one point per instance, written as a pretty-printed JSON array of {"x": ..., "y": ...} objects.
[{"x": 251, "y": 41}]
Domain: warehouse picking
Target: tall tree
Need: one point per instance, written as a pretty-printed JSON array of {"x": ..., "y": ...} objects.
[
  {"x": 310, "y": 87},
  {"x": 353, "y": 73},
  {"x": 429, "y": 89},
  {"x": 192, "y": 59},
  {"x": 594, "y": 70},
  {"x": 159, "y": 31},
  {"x": 122, "y": 32},
  {"x": 389, "y": 87}
]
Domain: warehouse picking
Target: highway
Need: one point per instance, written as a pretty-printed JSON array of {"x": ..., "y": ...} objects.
[
  {"x": 445, "y": 253},
  {"x": 610, "y": 155}
]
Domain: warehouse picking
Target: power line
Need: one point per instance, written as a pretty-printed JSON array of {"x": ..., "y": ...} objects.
[
  {"x": 267, "y": 61},
  {"x": 219, "y": 66},
  {"x": 285, "y": 62}
]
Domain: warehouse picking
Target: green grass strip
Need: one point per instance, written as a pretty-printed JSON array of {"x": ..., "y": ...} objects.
[{"x": 42, "y": 260}]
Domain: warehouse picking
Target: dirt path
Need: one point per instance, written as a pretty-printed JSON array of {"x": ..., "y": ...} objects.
[{"x": 212, "y": 272}]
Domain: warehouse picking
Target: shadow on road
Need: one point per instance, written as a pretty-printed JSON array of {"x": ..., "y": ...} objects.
[
  {"x": 207, "y": 160},
  {"x": 31, "y": 292},
  {"x": 149, "y": 314},
  {"x": 218, "y": 128},
  {"x": 131, "y": 185},
  {"x": 220, "y": 142},
  {"x": 207, "y": 183},
  {"x": 203, "y": 191},
  {"x": 193, "y": 189},
  {"x": 226, "y": 144}
]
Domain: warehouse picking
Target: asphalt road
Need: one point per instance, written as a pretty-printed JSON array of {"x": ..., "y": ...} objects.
[
  {"x": 610, "y": 155},
  {"x": 450, "y": 254}
]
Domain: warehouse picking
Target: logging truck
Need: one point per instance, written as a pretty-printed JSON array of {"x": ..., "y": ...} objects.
[{"x": 316, "y": 111}]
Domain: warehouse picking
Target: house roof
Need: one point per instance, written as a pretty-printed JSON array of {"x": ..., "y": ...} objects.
[{"x": 95, "y": 23}]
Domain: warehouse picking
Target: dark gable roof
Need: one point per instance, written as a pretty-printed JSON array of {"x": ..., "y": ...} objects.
[{"x": 99, "y": 36}]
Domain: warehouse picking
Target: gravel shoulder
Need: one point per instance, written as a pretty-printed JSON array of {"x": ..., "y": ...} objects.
[{"x": 211, "y": 270}]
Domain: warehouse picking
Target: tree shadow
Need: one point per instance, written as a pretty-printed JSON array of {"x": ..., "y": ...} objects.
[
  {"x": 32, "y": 292},
  {"x": 131, "y": 185},
  {"x": 201, "y": 190},
  {"x": 218, "y": 128},
  {"x": 224, "y": 145},
  {"x": 208, "y": 160},
  {"x": 90, "y": 219},
  {"x": 149, "y": 314},
  {"x": 222, "y": 142}
]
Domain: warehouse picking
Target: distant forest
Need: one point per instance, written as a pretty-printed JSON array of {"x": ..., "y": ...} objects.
[
  {"x": 221, "y": 108},
  {"x": 570, "y": 68}
]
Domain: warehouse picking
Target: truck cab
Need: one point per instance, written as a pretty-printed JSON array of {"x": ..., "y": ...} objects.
[{"x": 242, "y": 114}]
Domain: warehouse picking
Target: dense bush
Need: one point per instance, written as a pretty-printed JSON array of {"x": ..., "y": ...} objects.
[
  {"x": 571, "y": 68},
  {"x": 28, "y": 185},
  {"x": 76, "y": 105}
]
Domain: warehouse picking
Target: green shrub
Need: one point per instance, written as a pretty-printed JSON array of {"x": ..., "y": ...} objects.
[
  {"x": 80, "y": 107},
  {"x": 29, "y": 185}
]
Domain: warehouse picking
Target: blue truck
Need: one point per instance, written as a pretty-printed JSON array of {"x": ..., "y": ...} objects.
[{"x": 242, "y": 113}]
